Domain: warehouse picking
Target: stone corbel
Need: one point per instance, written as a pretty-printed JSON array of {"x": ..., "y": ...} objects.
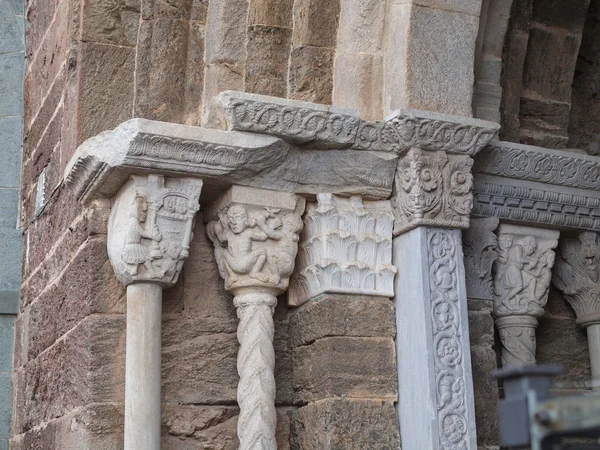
[
  {"x": 522, "y": 275},
  {"x": 255, "y": 235},
  {"x": 577, "y": 275},
  {"x": 149, "y": 233}
]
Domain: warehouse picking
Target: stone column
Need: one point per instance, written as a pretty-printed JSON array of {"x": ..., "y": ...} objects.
[
  {"x": 432, "y": 204},
  {"x": 522, "y": 276},
  {"x": 149, "y": 233},
  {"x": 255, "y": 234},
  {"x": 577, "y": 275}
]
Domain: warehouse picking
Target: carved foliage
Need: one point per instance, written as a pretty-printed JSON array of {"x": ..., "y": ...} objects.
[
  {"x": 346, "y": 248},
  {"x": 480, "y": 250},
  {"x": 255, "y": 246},
  {"x": 433, "y": 189},
  {"x": 404, "y": 132},
  {"x": 447, "y": 338},
  {"x": 292, "y": 123},
  {"x": 150, "y": 228},
  {"x": 522, "y": 274},
  {"x": 577, "y": 275}
]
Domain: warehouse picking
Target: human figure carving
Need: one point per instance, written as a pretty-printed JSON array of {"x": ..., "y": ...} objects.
[
  {"x": 137, "y": 251},
  {"x": 517, "y": 258}
]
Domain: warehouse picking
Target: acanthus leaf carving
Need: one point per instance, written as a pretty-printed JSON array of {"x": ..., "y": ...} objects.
[
  {"x": 577, "y": 275},
  {"x": 346, "y": 248},
  {"x": 150, "y": 228},
  {"x": 432, "y": 189}
]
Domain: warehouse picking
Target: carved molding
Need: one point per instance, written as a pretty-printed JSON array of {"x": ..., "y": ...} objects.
[
  {"x": 480, "y": 247},
  {"x": 577, "y": 275},
  {"x": 522, "y": 276},
  {"x": 448, "y": 357},
  {"x": 432, "y": 189},
  {"x": 533, "y": 185},
  {"x": 346, "y": 248},
  {"x": 429, "y": 131},
  {"x": 150, "y": 228}
]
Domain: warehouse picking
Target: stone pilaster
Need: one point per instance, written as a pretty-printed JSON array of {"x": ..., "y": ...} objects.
[
  {"x": 432, "y": 204},
  {"x": 522, "y": 276},
  {"x": 255, "y": 234},
  {"x": 149, "y": 233},
  {"x": 577, "y": 275}
]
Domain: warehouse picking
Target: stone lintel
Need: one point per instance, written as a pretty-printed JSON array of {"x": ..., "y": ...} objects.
[
  {"x": 531, "y": 185},
  {"x": 103, "y": 163}
]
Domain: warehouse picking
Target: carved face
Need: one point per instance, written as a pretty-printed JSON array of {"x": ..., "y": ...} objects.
[
  {"x": 529, "y": 245},
  {"x": 141, "y": 208},
  {"x": 237, "y": 218}
]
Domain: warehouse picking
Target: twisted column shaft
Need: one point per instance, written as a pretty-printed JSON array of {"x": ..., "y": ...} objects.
[{"x": 256, "y": 364}]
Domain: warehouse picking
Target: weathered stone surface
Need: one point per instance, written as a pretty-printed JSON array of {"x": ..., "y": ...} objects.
[
  {"x": 483, "y": 362},
  {"x": 111, "y": 23},
  {"x": 412, "y": 80},
  {"x": 274, "y": 13},
  {"x": 219, "y": 78},
  {"x": 226, "y": 33},
  {"x": 566, "y": 15},
  {"x": 345, "y": 367},
  {"x": 342, "y": 315},
  {"x": 360, "y": 30},
  {"x": 266, "y": 69},
  {"x": 470, "y": 7},
  {"x": 481, "y": 328},
  {"x": 194, "y": 76},
  {"x": 311, "y": 74},
  {"x": 336, "y": 424},
  {"x": 315, "y": 23}
]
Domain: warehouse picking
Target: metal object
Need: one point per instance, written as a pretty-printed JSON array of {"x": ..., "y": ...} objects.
[{"x": 529, "y": 418}]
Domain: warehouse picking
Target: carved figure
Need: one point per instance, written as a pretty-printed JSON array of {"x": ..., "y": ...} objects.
[{"x": 137, "y": 250}]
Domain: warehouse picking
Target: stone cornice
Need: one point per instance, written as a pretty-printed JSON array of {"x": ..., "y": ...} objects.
[
  {"x": 533, "y": 185},
  {"x": 102, "y": 164}
]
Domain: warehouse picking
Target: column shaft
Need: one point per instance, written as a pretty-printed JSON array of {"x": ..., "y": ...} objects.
[
  {"x": 143, "y": 367},
  {"x": 434, "y": 364},
  {"x": 593, "y": 333}
]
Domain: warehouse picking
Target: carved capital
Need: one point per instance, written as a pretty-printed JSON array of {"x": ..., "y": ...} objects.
[
  {"x": 432, "y": 189},
  {"x": 150, "y": 228},
  {"x": 577, "y": 275},
  {"x": 346, "y": 248},
  {"x": 255, "y": 234},
  {"x": 480, "y": 247},
  {"x": 523, "y": 271}
]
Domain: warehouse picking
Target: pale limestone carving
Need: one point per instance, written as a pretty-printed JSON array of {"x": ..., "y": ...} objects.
[
  {"x": 150, "y": 228},
  {"x": 480, "y": 247},
  {"x": 534, "y": 185},
  {"x": 408, "y": 128},
  {"x": 255, "y": 234},
  {"x": 346, "y": 248},
  {"x": 522, "y": 276},
  {"x": 447, "y": 329},
  {"x": 433, "y": 189},
  {"x": 577, "y": 275}
]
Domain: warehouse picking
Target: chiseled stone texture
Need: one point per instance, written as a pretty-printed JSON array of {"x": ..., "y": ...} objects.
[{"x": 337, "y": 424}]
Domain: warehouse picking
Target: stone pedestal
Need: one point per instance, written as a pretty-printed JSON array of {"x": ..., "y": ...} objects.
[
  {"x": 434, "y": 364},
  {"x": 522, "y": 276}
]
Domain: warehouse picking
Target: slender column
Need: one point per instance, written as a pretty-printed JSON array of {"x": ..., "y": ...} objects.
[
  {"x": 149, "y": 232},
  {"x": 577, "y": 275},
  {"x": 522, "y": 275},
  {"x": 432, "y": 203},
  {"x": 255, "y": 233}
]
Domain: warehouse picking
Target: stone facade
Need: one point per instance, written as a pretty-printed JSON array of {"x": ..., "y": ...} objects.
[{"x": 364, "y": 111}]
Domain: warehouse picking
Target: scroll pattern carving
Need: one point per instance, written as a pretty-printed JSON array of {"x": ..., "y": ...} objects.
[
  {"x": 150, "y": 228},
  {"x": 433, "y": 189},
  {"x": 521, "y": 163},
  {"x": 577, "y": 275},
  {"x": 481, "y": 250},
  {"x": 447, "y": 330},
  {"x": 406, "y": 131},
  {"x": 346, "y": 248},
  {"x": 522, "y": 278},
  {"x": 293, "y": 123}
]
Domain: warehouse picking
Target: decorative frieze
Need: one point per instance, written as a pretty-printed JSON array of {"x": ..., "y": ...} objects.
[
  {"x": 480, "y": 246},
  {"x": 150, "y": 228},
  {"x": 533, "y": 185},
  {"x": 522, "y": 276},
  {"x": 432, "y": 189},
  {"x": 255, "y": 234},
  {"x": 346, "y": 248},
  {"x": 407, "y": 128}
]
